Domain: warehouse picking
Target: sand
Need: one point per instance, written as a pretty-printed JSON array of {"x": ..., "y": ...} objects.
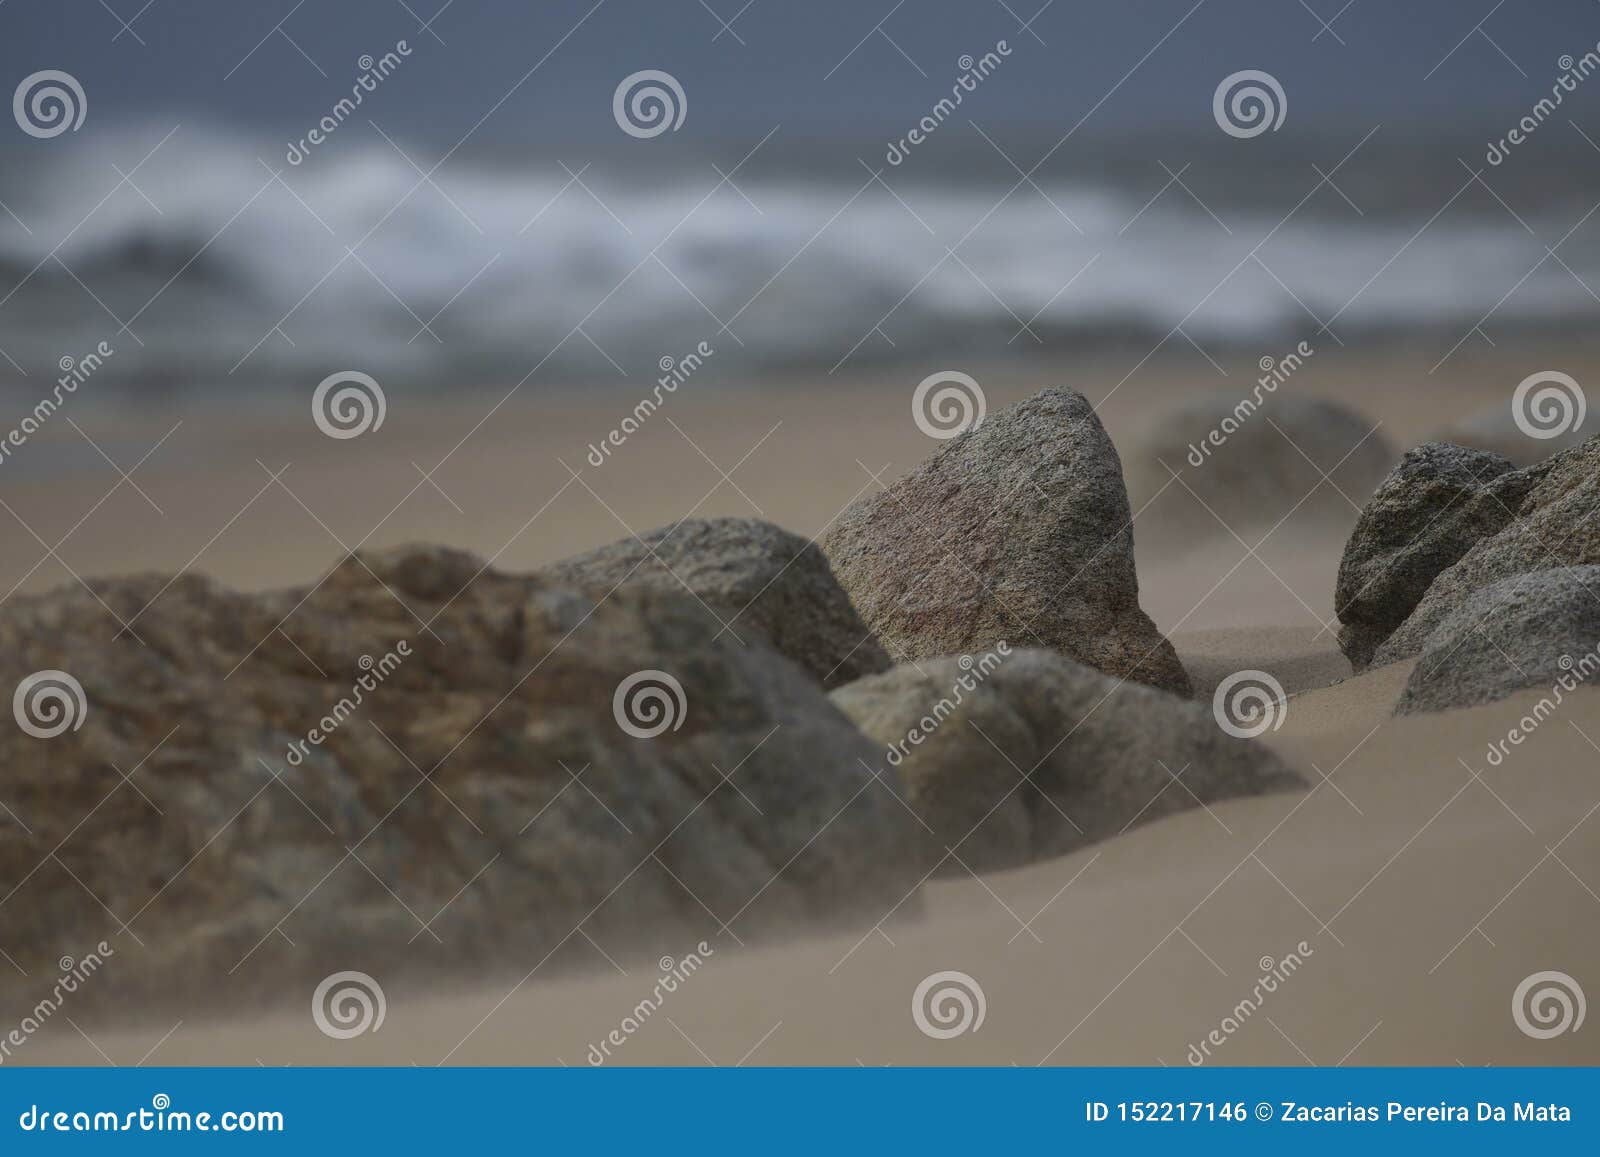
[{"x": 1413, "y": 884}]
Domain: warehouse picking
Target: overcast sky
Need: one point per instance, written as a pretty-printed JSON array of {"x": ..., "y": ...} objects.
[{"x": 547, "y": 69}]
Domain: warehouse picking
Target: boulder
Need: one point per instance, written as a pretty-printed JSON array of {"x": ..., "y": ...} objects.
[
  {"x": 1552, "y": 525},
  {"x": 417, "y": 766},
  {"x": 1017, "y": 530},
  {"x": 750, "y": 575},
  {"x": 1014, "y": 757},
  {"x": 1540, "y": 629},
  {"x": 1436, "y": 503},
  {"x": 1267, "y": 470}
]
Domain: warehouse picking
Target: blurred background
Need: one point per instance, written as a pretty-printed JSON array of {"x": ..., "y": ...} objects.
[
  {"x": 480, "y": 217},
  {"x": 484, "y": 207}
]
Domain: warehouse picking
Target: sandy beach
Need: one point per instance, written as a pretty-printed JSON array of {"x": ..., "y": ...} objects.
[{"x": 1414, "y": 884}]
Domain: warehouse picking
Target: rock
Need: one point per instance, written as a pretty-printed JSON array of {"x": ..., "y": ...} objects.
[
  {"x": 1552, "y": 525},
  {"x": 1495, "y": 429},
  {"x": 1016, "y": 531},
  {"x": 480, "y": 786},
  {"x": 1102, "y": 754},
  {"x": 748, "y": 574},
  {"x": 1267, "y": 471},
  {"x": 1530, "y": 630},
  {"x": 1432, "y": 508}
]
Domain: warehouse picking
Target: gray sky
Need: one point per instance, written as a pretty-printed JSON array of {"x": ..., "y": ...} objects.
[{"x": 547, "y": 69}]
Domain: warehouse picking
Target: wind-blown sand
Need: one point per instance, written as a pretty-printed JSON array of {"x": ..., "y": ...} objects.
[{"x": 1425, "y": 883}]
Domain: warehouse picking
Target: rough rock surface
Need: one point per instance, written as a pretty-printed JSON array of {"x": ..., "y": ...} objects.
[
  {"x": 749, "y": 574},
  {"x": 1554, "y": 525},
  {"x": 1016, "y": 531},
  {"x": 476, "y": 810},
  {"x": 1102, "y": 755},
  {"x": 1436, "y": 503},
  {"x": 1530, "y": 630},
  {"x": 1268, "y": 468}
]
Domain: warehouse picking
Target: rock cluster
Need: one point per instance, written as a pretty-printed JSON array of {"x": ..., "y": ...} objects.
[{"x": 1428, "y": 564}]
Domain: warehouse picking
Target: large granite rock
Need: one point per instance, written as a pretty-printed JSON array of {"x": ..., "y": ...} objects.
[
  {"x": 1098, "y": 755},
  {"x": 418, "y": 766},
  {"x": 1540, "y": 629},
  {"x": 1435, "y": 505},
  {"x": 1018, "y": 530},
  {"x": 1245, "y": 466},
  {"x": 748, "y": 574},
  {"x": 1553, "y": 524}
]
